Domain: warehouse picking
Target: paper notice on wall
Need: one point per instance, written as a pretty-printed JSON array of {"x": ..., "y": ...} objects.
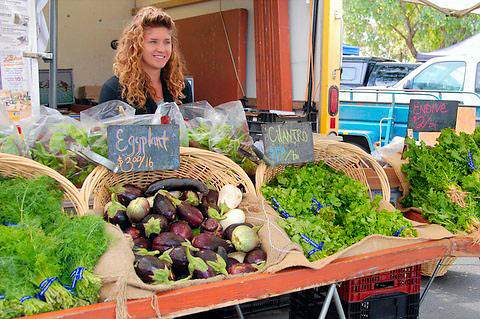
[{"x": 17, "y": 74}]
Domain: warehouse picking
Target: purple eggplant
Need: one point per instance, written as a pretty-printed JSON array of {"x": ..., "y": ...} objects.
[
  {"x": 222, "y": 252},
  {"x": 182, "y": 229},
  {"x": 126, "y": 193},
  {"x": 146, "y": 266},
  {"x": 167, "y": 240},
  {"x": 152, "y": 225},
  {"x": 133, "y": 232},
  {"x": 177, "y": 184},
  {"x": 162, "y": 205},
  {"x": 241, "y": 268},
  {"x": 231, "y": 261},
  {"x": 198, "y": 274},
  {"x": 190, "y": 197},
  {"x": 120, "y": 218},
  {"x": 211, "y": 225},
  {"x": 206, "y": 254},
  {"x": 211, "y": 242},
  {"x": 227, "y": 232},
  {"x": 138, "y": 209},
  {"x": 141, "y": 242},
  {"x": 255, "y": 256},
  {"x": 212, "y": 198},
  {"x": 179, "y": 260},
  {"x": 190, "y": 214}
]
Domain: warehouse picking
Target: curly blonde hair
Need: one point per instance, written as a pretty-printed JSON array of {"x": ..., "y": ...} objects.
[{"x": 128, "y": 59}]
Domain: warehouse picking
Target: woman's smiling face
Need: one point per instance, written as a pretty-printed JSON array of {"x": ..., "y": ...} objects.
[{"x": 157, "y": 47}]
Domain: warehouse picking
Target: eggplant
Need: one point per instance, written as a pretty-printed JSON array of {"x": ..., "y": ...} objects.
[
  {"x": 213, "y": 260},
  {"x": 231, "y": 261},
  {"x": 211, "y": 242},
  {"x": 177, "y": 184},
  {"x": 167, "y": 240},
  {"x": 138, "y": 209},
  {"x": 241, "y": 268},
  {"x": 198, "y": 274},
  {"x": 190, "y": 214},
  {"x": 141, "y": 242},
  {"x": 198, "y": 268},
  {"x": 255, "y": 256},
  {"x": 162, "y": 205},
  {"x": 146, "y": 265},
  {"x": 152, "y": 225},
  {"x": 127, "y": 193},
  {"x": 182, "y": 229},
  {"x": 212, "y": 198},
  {"x": 227, "y": 233},
  {"x": 206, "y": 255},
  {"x": 190, "y": 197},
  {"x": 212, "y": 226},
  {"x": 222, "y": 252},
  {"x": 179, "y": 261},
  {"x": 120, "y": 218},
  {"x": 133, "y": 232}
]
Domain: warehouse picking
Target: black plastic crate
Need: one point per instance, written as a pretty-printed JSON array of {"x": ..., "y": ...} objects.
[
  {"x": 307, "y": 304},
  {"x": 256, "y": 119},
  {"x": 248, "y": 308}
]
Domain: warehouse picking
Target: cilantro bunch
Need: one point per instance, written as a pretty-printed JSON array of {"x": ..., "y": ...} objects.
[
  {"x": 452, "y": 165},
  {"x": 329, "y": 208}
]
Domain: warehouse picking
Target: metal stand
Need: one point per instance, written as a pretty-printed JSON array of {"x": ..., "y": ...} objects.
[
  {"x": 430, "y": 281},
  {"x": 239, "y": 311},
  {"x": 332, "y": 292}
]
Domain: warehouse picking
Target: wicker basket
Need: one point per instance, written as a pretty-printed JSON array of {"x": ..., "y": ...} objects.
[
  {"x": 345, "y": 157},
  {"x": 194, "y": 163},
  {"x": 15, "y": 166},
  {"x": 429, "y": 267}
]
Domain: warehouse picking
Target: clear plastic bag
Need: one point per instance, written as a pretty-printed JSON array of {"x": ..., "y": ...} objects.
[
  {"x": 50, "y": 138},
  {"x": 222, "y": 129},
  {"x": 395, "y": 146},
  {"x": 107, "y": 111},
  {"x": 10, "y": 140},
  {"x": 171, "y": 114}
]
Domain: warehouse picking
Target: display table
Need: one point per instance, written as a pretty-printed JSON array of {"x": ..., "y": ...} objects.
[{"x": 258, "y": 286}]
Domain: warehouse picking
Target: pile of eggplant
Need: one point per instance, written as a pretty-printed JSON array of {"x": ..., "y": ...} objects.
[{"x": 182, "y": 229}]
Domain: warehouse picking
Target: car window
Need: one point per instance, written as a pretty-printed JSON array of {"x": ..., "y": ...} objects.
[
  {"x": 348, "y": 74},
  {"x": 388, "y": 75},
  {"x": 477, "y": 80},
  {"x": 441, "y": 76}
]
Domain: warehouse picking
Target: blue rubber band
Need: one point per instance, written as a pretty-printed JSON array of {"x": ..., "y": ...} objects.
[
  {"x": 278, "y": 208},
  {"x": 23, "y": 299},
  {"x": 317, "y": 247},
  {"x": 76, "y": 275},
  {"x": 44, "y": 285},
  {"x": 398, "y": 232}
]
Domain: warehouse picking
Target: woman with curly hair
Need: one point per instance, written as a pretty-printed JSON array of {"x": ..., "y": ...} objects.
[{"x": 148, "y": 66}]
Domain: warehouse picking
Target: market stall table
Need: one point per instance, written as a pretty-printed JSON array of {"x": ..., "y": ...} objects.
[{"x": 258, "y": 286}]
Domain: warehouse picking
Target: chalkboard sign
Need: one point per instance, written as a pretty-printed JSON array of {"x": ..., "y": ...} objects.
[
  {"x": 432, "y": 115},
  {"x": 144, "y": 147},
  {"x": 287, "y": 143}
]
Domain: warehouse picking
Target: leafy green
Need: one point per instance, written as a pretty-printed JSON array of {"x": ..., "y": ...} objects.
[
  {"x": 327, "y": 206},
  {"x": 451, "y": 166}
]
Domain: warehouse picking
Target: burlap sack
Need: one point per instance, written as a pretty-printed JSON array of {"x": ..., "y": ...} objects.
[
  {"x": 370, "y": 244},
  {"x": 121, "y": 283}
]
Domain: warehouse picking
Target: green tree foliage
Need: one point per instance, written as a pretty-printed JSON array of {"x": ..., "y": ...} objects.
[{"x": 393, "y": 28}]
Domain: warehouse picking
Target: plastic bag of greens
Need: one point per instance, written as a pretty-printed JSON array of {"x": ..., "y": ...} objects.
[
  {"x": 10, "y": 140},
  {"x": 170, "y": 114},
  {"x": 222, "y": 129},
  {"x": 50, "y": 137}
]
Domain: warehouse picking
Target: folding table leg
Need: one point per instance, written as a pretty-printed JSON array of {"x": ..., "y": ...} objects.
[
  {"x": 239, "y": 311},
  {"x": 430, "y": 281},
  {"x": 332, "y": 292}
]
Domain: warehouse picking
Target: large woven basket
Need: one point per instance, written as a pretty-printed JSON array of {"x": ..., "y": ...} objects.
[
  {"x": 429, "y": 267},
  {"x": 344, "y": 157},
  {"x": 194, "y": 163},
  {"x": 17, "y": 166}
]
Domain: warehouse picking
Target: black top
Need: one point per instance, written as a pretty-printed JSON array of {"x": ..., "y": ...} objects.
[{"x": 111, "y": 90}]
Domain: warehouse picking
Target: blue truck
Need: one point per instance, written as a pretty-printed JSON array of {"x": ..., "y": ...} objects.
[{"x": 370, "y": 117}]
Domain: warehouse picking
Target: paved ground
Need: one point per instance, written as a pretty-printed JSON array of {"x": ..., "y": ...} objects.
[{"x": 456, "y": 295}]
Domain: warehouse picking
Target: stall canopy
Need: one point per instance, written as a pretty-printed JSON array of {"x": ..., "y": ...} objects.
[{"x": 468, "y": 47}]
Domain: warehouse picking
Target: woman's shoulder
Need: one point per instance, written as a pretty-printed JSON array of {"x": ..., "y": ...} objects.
[
  {"x": 112, "y": 82},
  {"x": 187, "y": 91}
]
